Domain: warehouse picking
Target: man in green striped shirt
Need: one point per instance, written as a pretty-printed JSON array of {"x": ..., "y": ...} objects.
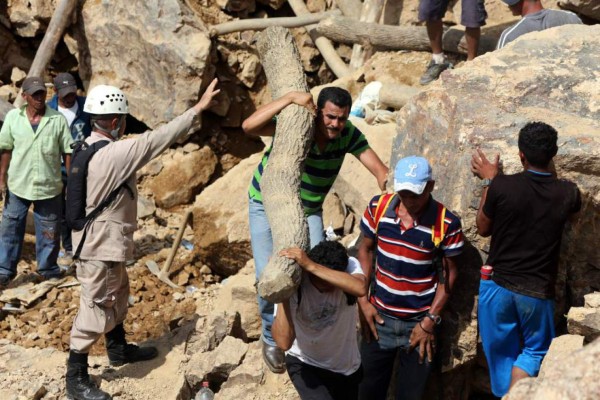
[{"x": 335, "y": 136}]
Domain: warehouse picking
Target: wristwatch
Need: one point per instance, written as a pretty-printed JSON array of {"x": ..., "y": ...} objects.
[
  {"x": 486, "y": 182},
  {"x": 435, "y": 318}
]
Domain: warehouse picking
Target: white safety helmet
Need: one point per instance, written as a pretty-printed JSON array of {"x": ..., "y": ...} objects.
[{"x": 105, "y": 99}]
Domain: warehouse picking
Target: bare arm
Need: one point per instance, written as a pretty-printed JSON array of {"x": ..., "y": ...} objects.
[
  {"x": 352, "y": 284},
  {"x": 373, "y": 163},
  {"x": 423, "y": 333},
  {"x": 484, "y": 169},
  {"x": 366, "y": 311},
  {"x": 283, "y": 326},
  {"x": 260, "y": 123},
  {"x": 67, "y": 158},
  {"x": 5, "y": 156}
]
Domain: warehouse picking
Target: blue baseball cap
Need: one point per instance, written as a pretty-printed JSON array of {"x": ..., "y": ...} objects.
[
  {"x": 412, "y": 174},
  {"x": 511, "y": 3}
]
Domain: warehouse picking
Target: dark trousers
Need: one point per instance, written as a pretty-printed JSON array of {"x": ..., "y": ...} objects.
[
  {"x": 378, "y": 363},
  {"x": 313, "y": 383},
  {"x": 65, "y": 232}
]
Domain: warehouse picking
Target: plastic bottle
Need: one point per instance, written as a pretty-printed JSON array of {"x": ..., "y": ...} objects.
[{"x": 205, "y": 393}]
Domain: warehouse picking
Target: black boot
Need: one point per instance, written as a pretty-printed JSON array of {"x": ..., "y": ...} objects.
[
  {"x": 120, "y": 352},
  {"x": 79, "y": 384}
]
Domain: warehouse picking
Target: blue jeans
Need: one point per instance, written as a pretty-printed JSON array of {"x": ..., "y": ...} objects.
[
  {"x": 262, "y": 247},
  {"x": 516, "y": 331},
  {"x": 378, "y": 363},
  {"x": 46, "y": 216}
]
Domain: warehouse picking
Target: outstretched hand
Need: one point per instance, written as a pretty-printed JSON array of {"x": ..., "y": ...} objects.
[
  {"x": 482, "y": 167},
  {"x": 208, "y": 97}
]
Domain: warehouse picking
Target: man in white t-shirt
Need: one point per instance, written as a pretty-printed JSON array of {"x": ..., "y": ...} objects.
[{"x": 317, "y": 326}]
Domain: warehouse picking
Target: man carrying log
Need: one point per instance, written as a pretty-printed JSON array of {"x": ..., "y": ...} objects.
[
  {"x": 473, "y": 17},
  {"x": 335, "y": 136},
  {"x": 107, "y": 196},
  {"x": 525, "y": 214},
  {"x": 317, "y": 325},
  {"x": 535, "y": 18},
  {"x": 416, "y": 242}
]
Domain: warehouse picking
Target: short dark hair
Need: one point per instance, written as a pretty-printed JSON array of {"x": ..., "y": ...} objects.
[
  {"x": 338, "y": 96},
  {"x": 537, "y": 142},
  {"x": 332, "y": 255}
]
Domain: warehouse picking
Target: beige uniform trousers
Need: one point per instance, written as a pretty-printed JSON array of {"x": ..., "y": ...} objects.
[{"x": 103, "y": 302}]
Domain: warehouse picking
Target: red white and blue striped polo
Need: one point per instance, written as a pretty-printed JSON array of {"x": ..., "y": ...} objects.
[{"x": 405, "y": 277}]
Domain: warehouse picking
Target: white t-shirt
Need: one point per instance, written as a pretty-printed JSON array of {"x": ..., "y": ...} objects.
[
  {"x": 69, "y": 113},
  {"x": 325, "y": 325}
]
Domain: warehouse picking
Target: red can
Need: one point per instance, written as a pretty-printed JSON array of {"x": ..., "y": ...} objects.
[{"x": 486, "y": 272}]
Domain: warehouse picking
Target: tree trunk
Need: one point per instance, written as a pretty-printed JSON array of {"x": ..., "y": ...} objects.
[
  {"x": 371, "y": 12},
  {"x": 331, "y": 57},
  {"x": 256, "y": 24},
  {"x": 396, "y": 95},
  {"x": 387, "y": 37},
  {"x": 280, "y": 183},
  {"x": 61, "y": 18},
  {"x": 350, "y": 8}
]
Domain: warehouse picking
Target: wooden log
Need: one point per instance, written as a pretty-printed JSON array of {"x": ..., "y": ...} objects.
[
  {"x": 387, "y": 37},
  {"x": 331, "y": 57},
  {"x": 371, "y": 12},
  {"x": 61, "y": 18},
  {"x": 280, "y": 182},
  {"x": 396, "y": 95},
  {"x": 350, "y": 8},
  {"x": 258, "y": 24}
]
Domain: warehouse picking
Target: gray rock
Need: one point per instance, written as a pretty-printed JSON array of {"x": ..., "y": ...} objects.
[
  {"x": 585, "y": 322},
  {"x": 155, "y": 53},
  {"x": 215, "y": 366},
  {"x": 145, "y": 207},
  {"x": 210, "y": 331},
  {"x": 549, "y": 76},
  {"x": 592, "y": 300},
  {"x": 561, "y": 350}
]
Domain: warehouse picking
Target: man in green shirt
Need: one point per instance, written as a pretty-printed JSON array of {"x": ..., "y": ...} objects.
[
  {"x": 335, "y": 136},
  {"x": 32, "y": 140}
]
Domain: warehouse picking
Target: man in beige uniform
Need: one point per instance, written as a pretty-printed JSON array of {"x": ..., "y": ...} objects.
[{"x": 108, "y": 241}]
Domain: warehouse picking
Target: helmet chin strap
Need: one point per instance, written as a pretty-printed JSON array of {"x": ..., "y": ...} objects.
[{"x": 114, "y": 133}]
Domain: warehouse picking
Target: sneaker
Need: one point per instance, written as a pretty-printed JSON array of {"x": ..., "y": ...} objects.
[
  {"x": 433, "y": 72},
  {"x": 65, "y": 259}
]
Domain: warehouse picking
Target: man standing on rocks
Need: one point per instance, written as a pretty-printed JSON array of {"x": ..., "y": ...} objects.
[
  {"x": 32, "y": 141},
  {"x": 525, "y": 214},
  {"x": 473, "y": 17},
  {"x": 317, "y": 325},
  {"x": 417, "y": 242},
  {"x": 70, "y": 106},
  {"x": 107, "y": 241},
  {"x": 535, "y": 18},
  {"x": 335, "y": 136}
]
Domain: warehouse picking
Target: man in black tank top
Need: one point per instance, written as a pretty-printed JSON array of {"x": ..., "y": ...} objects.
[{"x": 525, "y": 214}]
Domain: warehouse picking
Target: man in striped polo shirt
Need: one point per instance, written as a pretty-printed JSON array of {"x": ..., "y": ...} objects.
[
  {"x": 411, "y": 234},
  {"x": 335, "y": 136}
]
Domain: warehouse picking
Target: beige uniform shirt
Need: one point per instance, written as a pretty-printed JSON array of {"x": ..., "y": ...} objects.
[{"x": 110, "y": 235}]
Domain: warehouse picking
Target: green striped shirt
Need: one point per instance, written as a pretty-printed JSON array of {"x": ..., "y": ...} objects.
[{"x": 320, "y": 168}]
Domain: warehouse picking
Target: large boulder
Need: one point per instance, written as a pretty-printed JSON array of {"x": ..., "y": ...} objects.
[
  {"x": 183, "y": 176},
  {"x": 576, "y": 378},
  {"x": 589, "y": 8},
  {"x": 549, "y": 76},
  {"x": 157, "y": 54}
]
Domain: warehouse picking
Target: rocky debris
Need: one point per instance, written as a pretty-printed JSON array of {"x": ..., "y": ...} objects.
[
  {"x": 589, "y": 8},
  {"x": 585, "y": 320},
  {"x": 182, "y": 177},
  {"x": 576, "y": 378},
  {"x": 5, "y": 106},
  {"x": 215, "y": 366},
  {"x": 238, "y": 292},
  {"x": 484, "y": 104},
  {"x": 145, "y": 207},
  {"x": 334, "y": 212},
  {"x": 560, "y": 351},
  {"x": 160, "y": 80},
  {"x": 221, "y": 219},
  {"x": 30, "y": 18}
]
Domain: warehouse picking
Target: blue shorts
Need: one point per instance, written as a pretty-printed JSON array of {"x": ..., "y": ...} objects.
[
  {"x": 516, "y": 331},
  {"x": 473, "y": 14}
]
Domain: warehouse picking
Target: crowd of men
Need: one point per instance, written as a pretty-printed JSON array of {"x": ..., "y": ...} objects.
[{"x": 408, "y": 258}]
